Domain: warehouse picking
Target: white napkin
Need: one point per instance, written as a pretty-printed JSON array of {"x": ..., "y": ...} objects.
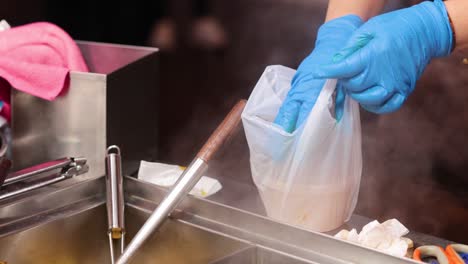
[
  {"x": 166, "y": 175},
  {"x": 385, "y": 237},
  {"x": 4, "y": 25}
]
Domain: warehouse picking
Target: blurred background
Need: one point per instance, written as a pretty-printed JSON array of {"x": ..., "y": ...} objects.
[{"x": 212, "y": 54}]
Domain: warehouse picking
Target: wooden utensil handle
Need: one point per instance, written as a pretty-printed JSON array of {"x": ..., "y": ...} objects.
[{"x": 222, "y": 132}]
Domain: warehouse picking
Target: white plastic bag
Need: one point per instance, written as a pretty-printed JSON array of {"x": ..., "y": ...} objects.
[{"x": 310, "y": 177}]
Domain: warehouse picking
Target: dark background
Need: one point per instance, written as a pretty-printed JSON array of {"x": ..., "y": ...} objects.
[{"x": 415, "y": 160}]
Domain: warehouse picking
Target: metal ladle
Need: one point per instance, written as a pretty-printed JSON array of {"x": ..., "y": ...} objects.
[
  {"x": 185, "y": 182},
  {"x": 115, "y": 200}
]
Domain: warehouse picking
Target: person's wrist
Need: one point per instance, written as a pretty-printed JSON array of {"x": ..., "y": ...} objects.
[
  {"x": 452, "y": 27},
  {"x": 437, "y": 20}
]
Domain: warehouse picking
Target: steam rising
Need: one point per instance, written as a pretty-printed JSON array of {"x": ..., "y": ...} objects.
[{"x": 415, "y": 160}]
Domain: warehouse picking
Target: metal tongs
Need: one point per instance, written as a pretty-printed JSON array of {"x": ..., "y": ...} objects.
[
  {"x": 40, "y": 175},
  {"x": 186, "y": 181},
  {"x": 115, "y": 200}
]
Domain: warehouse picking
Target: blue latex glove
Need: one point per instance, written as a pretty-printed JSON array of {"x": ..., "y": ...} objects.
[
  {"x": 304, "y": 87},
  {"x": 464, "y": 256},
  {"x": 385, "y": 57}
]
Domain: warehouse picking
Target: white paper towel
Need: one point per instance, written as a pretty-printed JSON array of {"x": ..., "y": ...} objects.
[
  {"x": 385, "y": 237},
  {"x": 4, "y": 25},
  {"x": 166, "y": 175}
]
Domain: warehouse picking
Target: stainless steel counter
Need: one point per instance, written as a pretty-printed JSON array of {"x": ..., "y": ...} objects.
[{"x": 70, "y": 218}]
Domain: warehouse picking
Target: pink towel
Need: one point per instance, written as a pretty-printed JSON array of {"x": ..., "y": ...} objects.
[{"x": 36, "y": 59}]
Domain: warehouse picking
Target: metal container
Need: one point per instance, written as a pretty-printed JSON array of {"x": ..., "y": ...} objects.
[{"x": 115, "y": 103}]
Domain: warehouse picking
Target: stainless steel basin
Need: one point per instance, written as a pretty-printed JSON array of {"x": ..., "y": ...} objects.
[{"x": 82, "y": 238}]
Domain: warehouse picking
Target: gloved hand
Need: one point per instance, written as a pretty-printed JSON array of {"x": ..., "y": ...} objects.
[
  {"x": 385, "y": 57},
  {"x": 304, "y": 87}
]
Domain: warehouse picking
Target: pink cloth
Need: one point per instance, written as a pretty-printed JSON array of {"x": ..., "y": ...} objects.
[{"x": 36, "y": 59}]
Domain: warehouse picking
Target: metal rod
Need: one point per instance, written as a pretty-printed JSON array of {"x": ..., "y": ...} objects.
[
  {"x": 185, "y": 183},
  {"x": 122, "y": 243},
  {"x": 27, "y": 173},
  {"x": 33, "y": 187},
  {"x": 115, "y": 199},
  {"x": 111, "y": 247}
]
